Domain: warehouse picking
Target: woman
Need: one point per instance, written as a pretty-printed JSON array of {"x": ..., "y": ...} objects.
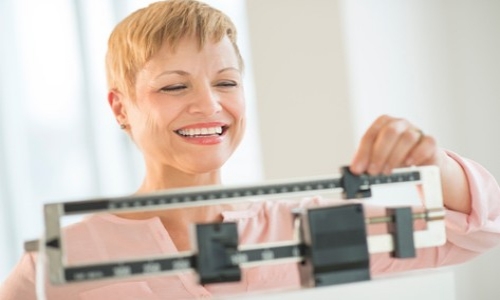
[{"x": 175, "y": 87}]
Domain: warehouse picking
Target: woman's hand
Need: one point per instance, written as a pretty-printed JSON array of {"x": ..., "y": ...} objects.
[{"x": 393, "y": 143}]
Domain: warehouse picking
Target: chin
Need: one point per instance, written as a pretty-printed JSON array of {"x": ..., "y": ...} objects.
[{"x": 207, "y": 166}]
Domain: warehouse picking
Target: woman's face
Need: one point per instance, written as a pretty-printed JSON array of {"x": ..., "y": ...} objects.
[{"x": 189, "y": 112}]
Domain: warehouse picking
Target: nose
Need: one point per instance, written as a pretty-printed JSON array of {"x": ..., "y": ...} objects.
[{"x": 206, "y": 101}]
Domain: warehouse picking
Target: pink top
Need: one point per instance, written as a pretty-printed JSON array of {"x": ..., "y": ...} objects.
[{"x": 104, "y": 237}]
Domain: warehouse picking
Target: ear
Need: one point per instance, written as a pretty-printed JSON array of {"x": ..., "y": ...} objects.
[{"x": 116, "y": 102}]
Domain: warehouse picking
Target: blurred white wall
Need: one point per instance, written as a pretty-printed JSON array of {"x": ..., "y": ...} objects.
[
  {"x": 325, "y": 69},
  {"x": 301, "y": 86}
]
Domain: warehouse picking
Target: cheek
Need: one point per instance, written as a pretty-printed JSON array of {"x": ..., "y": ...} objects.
[
  {"x": 151, "y": 122},
  {"x": 144, "y": 122},
  {"x": 155, "y": 114},
  {"x": 237, "y": 108}
]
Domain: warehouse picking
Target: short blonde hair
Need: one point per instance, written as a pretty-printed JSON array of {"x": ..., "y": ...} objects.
[{"x": 140, "y": 36}]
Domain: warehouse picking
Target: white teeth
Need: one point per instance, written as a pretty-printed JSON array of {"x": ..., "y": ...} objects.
[{"x": 200, "y": 131}]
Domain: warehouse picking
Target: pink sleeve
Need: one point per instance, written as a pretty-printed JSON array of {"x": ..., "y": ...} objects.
[
  {"x": 21, "y": 282},
  {"x": 467, "y": 235},
  {"x": 480, "y": 230}
]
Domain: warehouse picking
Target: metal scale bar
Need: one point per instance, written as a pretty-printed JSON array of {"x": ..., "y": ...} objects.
[
  {"x": 207, "y": 195},
  {"x": 291, "y": 251}
]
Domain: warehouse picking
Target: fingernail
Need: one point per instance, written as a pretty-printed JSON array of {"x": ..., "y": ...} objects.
[
  {"x": 354, "y": 168},
  {"x": 387, "y": 170}
]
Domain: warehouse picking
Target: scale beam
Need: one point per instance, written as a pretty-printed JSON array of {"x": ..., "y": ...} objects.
[{"x": 401, "y": 240}]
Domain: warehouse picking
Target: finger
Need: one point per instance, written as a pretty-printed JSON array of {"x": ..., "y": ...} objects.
[
  {"x": 385, "y": 145},
  {"x": 359, "y": 163},
  {"x": 424, "y": 153},
  {"x": 408, "y": 140}
]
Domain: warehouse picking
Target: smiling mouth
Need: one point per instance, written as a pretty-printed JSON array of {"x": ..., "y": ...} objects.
[{"x": 202, "y": 132}]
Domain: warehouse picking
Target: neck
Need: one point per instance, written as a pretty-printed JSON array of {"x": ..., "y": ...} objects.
[{"x": 163, "y": 178}]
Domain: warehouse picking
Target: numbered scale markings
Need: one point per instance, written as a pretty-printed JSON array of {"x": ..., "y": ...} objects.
[{"x": 203, "y": 194}]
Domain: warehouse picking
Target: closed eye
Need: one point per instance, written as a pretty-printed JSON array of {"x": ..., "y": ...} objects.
[
  {"x": 173, "y": 88},
  {"x": 227, "y": 84}
]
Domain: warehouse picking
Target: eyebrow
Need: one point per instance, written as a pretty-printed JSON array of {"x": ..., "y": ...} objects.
[
  {"x": 228, "y": 69},
  {"x": 178, "y": 72},
  {"x": 184, "y": 73}
]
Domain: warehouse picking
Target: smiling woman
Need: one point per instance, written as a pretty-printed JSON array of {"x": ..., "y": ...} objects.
[{"x": 177, "y": 93}]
